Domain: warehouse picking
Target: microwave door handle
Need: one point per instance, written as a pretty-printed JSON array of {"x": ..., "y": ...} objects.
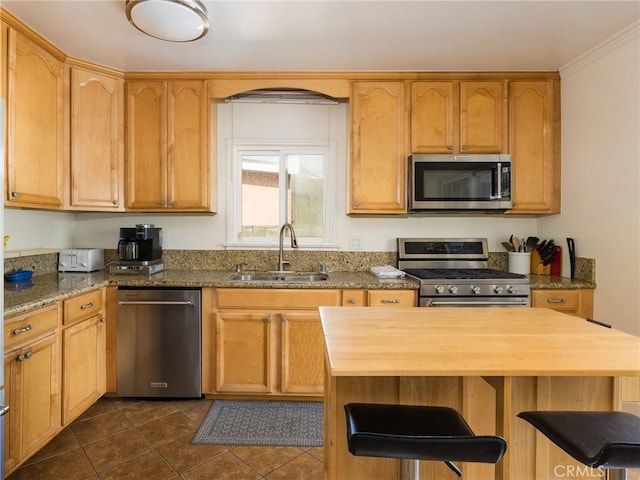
[{"x": 498, "y": 174}]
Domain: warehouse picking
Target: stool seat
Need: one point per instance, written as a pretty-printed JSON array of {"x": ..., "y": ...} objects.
[
  {"x": 607, "y": 439},
  {"x": 417, "y": 432}
]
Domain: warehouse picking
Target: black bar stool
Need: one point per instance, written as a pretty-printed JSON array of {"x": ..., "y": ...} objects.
[
  {"x": 412, "y": 433},
  {"x": 596, "y": 439}
]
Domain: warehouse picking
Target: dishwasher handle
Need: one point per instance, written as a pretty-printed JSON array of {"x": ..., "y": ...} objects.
[{"x": 188, "y": 303}]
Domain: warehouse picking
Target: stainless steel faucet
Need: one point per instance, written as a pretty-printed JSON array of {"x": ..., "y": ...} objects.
[{"x": 282, "y": 263}]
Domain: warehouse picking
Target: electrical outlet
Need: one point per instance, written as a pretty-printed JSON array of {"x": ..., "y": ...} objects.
[{"x": 355, "y": 243}]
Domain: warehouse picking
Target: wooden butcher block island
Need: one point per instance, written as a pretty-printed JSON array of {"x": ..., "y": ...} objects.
[{"x": 488, "y": 363}]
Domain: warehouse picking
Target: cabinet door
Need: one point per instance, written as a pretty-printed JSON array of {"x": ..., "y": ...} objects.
[
  {"x": 302, "y": 354},
  {"x": 97, "y": 152},
  {"x": 244, "y": 352},
  {"x": 188, "y": 152},
  {"x": 84, "y": 360},
  {"x": 379, "y": 148},
  {"x": 39, "y": 404},
  {"x": 482, "y": 122},
  {"x": 536, "y": 163},
  {"x": 35, "y": 136},
  {"x": 146, "y": 183},
  {"x": 434, "y": 117}
]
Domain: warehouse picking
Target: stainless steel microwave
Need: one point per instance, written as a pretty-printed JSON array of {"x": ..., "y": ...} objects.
[{"x": 459, "y": 182}]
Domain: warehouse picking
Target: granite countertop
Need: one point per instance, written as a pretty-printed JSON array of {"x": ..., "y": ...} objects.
[{"x": 52, "y": 287}]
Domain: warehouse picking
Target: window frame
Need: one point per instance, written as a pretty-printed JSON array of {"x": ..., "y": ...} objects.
[{"x": 239, "y": 147}]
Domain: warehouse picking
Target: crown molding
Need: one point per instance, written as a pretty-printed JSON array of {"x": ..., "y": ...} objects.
[{"x": 604, "y": 48}]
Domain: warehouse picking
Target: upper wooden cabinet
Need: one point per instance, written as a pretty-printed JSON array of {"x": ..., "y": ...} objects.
[
  {"x": 378, "y": 163},
  {"x": 167, "y": 146},
  {"x": 458, "y": 117},
  {"x": 534, "y": 143},
  {"x": 35, "y": 125},
  {"x": 97, "y": 140}
]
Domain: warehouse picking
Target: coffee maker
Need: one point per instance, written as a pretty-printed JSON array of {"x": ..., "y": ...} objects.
[{"x": 140, "y": 250}]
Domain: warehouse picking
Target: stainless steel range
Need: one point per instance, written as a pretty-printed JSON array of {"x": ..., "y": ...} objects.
[{"x": 453, "y": 272}]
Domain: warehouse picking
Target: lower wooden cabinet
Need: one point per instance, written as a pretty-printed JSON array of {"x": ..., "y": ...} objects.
[
  {"x": 83, "y": 353},
  {"x": 54, "y": 369},
  {"x": 267, "y": 341},
  {"x": 302, "y": 353},
  {"x": 244, "y": 351},
  {"x": 32, "y": 372},
  {"x": 577, "y": 302},
  {"x": 84, "y": 375}
]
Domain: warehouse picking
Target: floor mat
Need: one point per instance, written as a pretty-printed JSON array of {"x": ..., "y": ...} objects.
[{"x": 252, "y": 422}]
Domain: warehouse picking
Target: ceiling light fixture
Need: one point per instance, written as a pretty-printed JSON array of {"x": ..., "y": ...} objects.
[{"x": 170, "y": 20}]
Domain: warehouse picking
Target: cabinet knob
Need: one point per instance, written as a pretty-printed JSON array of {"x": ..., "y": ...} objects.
[
  {"x": 103, "y": 320},
  {"x": 115, "y": 202},
  {"x": 352, "y": 301},
  {"x": 356, "y": 204},
  {"x": 15, "y": 194},
  {"x": 464, "y": 147},
  {"x": 449, "y": 147},
  {"x": 268, "y": 319},
  {"x": 284, "y": 319}
]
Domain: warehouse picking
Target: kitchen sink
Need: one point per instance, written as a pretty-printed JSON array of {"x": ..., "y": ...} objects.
[{"x": 290, "y": 277}]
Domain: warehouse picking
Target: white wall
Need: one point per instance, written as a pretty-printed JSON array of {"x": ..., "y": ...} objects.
[
  {"x": 34, "y": 229},
  {"x": 601, "y": 173}
]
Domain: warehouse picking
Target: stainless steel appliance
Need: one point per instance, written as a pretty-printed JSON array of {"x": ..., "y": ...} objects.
[
  {"x": 454, "y": 272},
  {"x": 459, "y": 182},
  {"x": 158, "y": 343},
  {"x": 80, "y": 259},
  {"x": 139, "y": 250}
]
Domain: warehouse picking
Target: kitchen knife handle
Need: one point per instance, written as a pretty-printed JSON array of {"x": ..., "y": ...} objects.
[{"x": 572, "y": 256}]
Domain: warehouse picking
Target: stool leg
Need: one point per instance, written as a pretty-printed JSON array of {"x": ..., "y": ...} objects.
[{"x": 409, "y": 469}]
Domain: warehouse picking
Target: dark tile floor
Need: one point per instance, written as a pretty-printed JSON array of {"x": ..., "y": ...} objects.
[{"x": 145, "y": 439}]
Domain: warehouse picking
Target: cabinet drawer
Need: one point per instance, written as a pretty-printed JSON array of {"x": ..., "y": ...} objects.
[
  {"x": 391, "y": 298},
  {"x": 353, "y": 298},
  {"x": 27, "y": 326},
  {"x": 562, "y": 300},
  {"x": 275, "y": 298},
  {"x": 81, "y": 307}
]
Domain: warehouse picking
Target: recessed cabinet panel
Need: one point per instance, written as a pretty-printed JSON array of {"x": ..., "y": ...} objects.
[
  {"x": 434, "y": 125},
  {"x": 536, "y": 162},
  {"x": 146, "y": 145},
  {"x": 167, "y": 146},
  {"x": 35, "y": 122},
  {"x": 378, "y": 148},
  {"x": 97, "y": 151},
  {"x": 482, "y": 117}
]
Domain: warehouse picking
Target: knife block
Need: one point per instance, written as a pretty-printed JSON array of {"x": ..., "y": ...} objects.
[{"x": 537, "y": 268}]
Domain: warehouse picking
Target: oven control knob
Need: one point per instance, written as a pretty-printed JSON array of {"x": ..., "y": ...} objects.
[
  {"x": 439, "y": 289},
  {"x": 512, "y": 290},
  {"x": 475, "y": 290},
  {"x": 498, "y": 289},
  {"x": 453, "y": 289}
]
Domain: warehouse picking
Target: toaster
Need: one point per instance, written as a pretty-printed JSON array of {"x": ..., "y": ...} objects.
[{"x": 81, "y": 259}]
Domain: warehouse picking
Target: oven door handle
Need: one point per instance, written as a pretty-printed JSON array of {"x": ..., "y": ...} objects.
[{"x": 436, "y": 303}]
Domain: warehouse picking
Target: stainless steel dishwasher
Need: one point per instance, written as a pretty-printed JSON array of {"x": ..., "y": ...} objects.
[{"x": 158, "y": 342}]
